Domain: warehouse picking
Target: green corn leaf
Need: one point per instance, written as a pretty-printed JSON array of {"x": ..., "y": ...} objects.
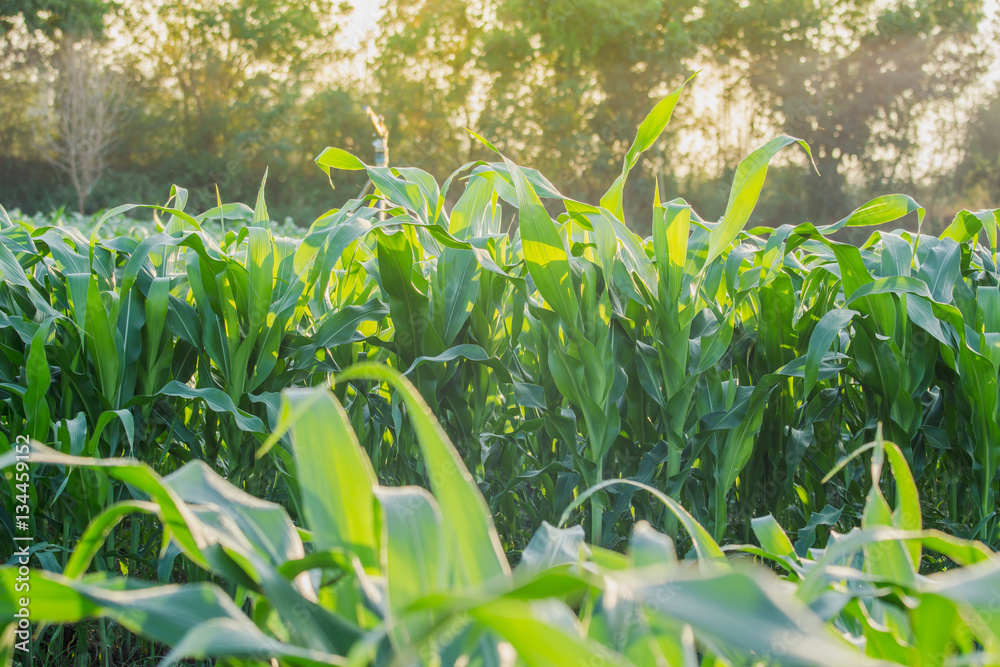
[
  {"x": 649, "y": 131},
  {"x": 94, "y": 537},
  {"x": 539, "y": 641},
  {"x": 967, "y": 225},
  {"x": 457, "y": 279},
  {"x": 101, "y": 342},
  {"x": 335, "y": 158},
  {"x": 888, "y": 559},
  {"x": 224, "y": 637},
  {"x": 941, "y": 268},
  {"x": 157, "y": 303},
  {"x": 907, "y": 514},
  {"x": 772, "y": 537},
  {"x": 403, "y": 192},
  {"x": 174, "y": 513},
  {"x": 261, "y": 219},
  {"x": 12, "y": 272},
  {"x": 260, "y": 267},
  {"x": 752, "y": 615},
  {"x": 166, "y": 614},
  {"x": 335, "y": 477},
  {"x": 879, "y": 211},
  {"x": 747, "y": 184},
  {"x": 106, "y": 417},
  {"x": 550, "y": 547},
  {"x": 710, "y": 556},
  {"x": 468, "y": 524},
  {"x": 891, "y": 285},
  {"x": 826, "y": 331},
  {"x": 466, "y": 351},
  {"x": 671, "y": 232},
  {"x": 39, "y": 379},
  {"x": 412, "y": 556},
  {"x": 739, "y": 443},
  {"x": 544, "y": 250},
  {"x": 649, "y": 547},
  {"x": 473, "y": 214},
  {"x": 408, "y": 306},
  {"x": 218, "y": 401}
]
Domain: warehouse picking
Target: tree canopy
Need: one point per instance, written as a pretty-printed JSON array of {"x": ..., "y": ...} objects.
[
  {"x": 52, "y": 16},
  {"x": 221, "y": 89}
]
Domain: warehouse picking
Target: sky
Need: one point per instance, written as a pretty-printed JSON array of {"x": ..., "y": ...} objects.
[{"x": 363, "y": 19}]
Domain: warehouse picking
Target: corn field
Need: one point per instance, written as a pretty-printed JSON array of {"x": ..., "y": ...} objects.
[{"x": 480, "y": 423}]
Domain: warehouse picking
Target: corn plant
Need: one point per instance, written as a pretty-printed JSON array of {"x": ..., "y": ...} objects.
[
  {"x": 727, "y": 365},
  {"x": 389, "y": 575}
]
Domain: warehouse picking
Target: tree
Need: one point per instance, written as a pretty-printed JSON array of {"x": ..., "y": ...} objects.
[
  {"x": 222, "y": 85},
  {"x": 54, "y": 16},
  {"x": 562, "y": 84},
  {"x": 89, "y": 107},
  {"x": 852, "y": 78},
  {"x": 30, "y": 34},
  {"x": 978, "y": 174},
  {"x": 559, "y": 85}
]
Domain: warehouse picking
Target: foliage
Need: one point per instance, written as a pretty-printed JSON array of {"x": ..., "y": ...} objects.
[
  {"x": 979, "y": 172},
  {"x": 219, "y": 90},
  {"x": 851, "y": 77},
  {"x": 110, "y": 227},
  {"x": 400, "y": 575},
  {"x": 569, "y": 362},
  {"x": 215, "y": 92},
  {"x": 68, "y": 16}
]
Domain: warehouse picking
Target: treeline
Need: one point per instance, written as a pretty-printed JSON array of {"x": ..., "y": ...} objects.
[{"x": 103, "y": 103}]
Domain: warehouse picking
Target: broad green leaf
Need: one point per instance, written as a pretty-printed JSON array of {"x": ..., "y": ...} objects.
[
  {"x": 335, "y": 477},
  {"x": 907, "y": 514},
  {"x": 550, "y": 547},
  {"x": 649, "y": 131},
  {"x": 93, "y": 538},
  {"x": 940, "y": 268},
  {"x": 466, "y": 351},
  {"x": 335, "y": 158},
  {"x": 670, "y": 243},
  {"x": 157, "y": 302},
  {"x": 261, "y": 219},
  {"x": 710, "y": 556},
  {"x": 39, "y": 379},
  {"x": 880, "y": 211},
  {"x": 772, "y": 537},
  {"x": 544, "y": 250},
  {"x": 649, "y": 547},
  {"x": 457, "y": 280},
  {"x": 106, "y": 417},
  {"x": 217, "y": 400},
  {"x": 884, "y": 559},
  {"x": 174, "y": 513},
  {"x": 822, "y": 337},
  {"x": 468, "y": 524},
  {"x": 751, "y": 615},
  {"x": 412, "y": 558},
  {"x": 747, "y": 184},
  {"x": 541, "y": 644},
  {"x": 165, "y": 614},
  {"x": 260, "y": 266},
  {"x": 101, "y": 342},
  {"x": 408, "y": 305}
]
